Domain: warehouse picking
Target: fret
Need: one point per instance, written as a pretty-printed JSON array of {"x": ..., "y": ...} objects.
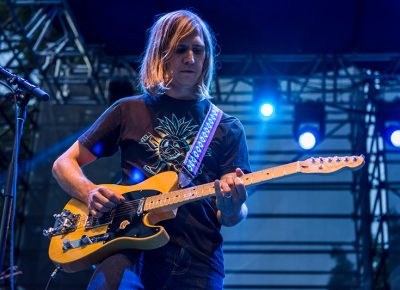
[{"x": 179, "y": 197}]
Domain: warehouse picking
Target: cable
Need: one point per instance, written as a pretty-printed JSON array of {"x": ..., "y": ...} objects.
[{"x": 52, "y": 276}]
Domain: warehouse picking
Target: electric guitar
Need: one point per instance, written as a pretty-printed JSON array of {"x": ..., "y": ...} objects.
[{"x": 79, "y": 239}]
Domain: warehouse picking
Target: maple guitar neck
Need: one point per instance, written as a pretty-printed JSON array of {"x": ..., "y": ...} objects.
[
  {"x": 176, "y": 198},
  {"x": 182, "y": 196}
]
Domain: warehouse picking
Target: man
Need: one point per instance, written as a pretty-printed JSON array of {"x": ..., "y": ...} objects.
[{"x": 154, "y": 132}]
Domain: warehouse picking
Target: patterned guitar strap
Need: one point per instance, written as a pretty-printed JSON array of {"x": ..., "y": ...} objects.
[{"x": 199, "y": 147}]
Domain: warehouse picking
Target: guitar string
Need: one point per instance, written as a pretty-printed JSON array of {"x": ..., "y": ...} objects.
[
  {"x": 128, "y": 204},
  {"x": 131, "y": 205},
  {"x": 123, "y": 209},
  {"x": 202, "y": 188},
  {"x": 163, "y": 198}
]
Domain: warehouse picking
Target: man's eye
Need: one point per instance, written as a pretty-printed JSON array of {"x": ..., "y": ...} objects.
[
  {"x": 198, "y": 50},
  {"x": 180, "y": 50}
]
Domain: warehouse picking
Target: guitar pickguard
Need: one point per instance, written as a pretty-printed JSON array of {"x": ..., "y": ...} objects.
[{"x": 128, "y": 219}]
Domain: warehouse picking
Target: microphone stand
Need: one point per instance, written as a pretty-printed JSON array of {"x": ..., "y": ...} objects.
[
  {"x": 25, "y": 90},
  {"x": 11, "y": 184}
]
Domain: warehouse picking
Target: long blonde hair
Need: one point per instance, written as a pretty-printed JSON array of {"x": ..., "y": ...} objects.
[{"x": 164, "y": 37}]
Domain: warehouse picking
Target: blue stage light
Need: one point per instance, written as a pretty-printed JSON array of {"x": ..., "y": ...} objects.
[
  {"x": 388, "y": 121},
  {"x": 98, "y": 149},
  {"x": 395, "y": 137},
  {"x": 309, "y": 124},
  {"x": 307, "y": 140},
  {"x": 266, "y": 93},
  {"x": 267, "y": 110},
  {"x": 136, "y": 176}
]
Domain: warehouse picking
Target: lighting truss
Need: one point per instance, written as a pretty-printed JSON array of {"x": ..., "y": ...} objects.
[{"x": 47, "y": 46}]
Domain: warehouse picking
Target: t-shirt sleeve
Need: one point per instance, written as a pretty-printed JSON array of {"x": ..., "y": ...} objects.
[
  {"x": 235, "y": 151},
  {"x": 102, "y": 137}
]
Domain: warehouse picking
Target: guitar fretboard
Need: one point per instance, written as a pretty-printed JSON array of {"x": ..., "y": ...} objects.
[{"x": 179, "y": 197}]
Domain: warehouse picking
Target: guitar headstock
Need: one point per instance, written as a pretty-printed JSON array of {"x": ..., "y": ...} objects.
[{"x": 330, "y": 164}]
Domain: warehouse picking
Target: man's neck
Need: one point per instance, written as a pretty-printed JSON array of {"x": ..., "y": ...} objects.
[{"x": 183, "y": 94}]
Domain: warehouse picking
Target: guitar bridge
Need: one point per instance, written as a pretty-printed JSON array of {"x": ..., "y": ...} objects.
[{"x": 66, "y": 222}]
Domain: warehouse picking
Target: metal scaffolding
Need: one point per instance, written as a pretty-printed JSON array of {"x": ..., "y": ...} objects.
[{"x": 40, "y": 40}]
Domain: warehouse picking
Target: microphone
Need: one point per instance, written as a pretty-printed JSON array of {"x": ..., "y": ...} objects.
[{"x": 24, "y": 84}]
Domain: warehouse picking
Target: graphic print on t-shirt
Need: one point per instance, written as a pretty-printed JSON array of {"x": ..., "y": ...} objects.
[{"x": 169, "y": 147}]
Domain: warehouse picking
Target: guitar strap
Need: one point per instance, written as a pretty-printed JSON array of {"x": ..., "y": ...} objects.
[{"x": 200, "y": 145}]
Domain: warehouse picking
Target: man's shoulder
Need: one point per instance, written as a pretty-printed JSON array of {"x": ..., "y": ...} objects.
[
  {"x": 131, "y": 100},
  {"x": 230, "y": 120}
]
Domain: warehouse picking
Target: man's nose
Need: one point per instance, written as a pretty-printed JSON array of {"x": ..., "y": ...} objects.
[{"x": 189, "y": 57}]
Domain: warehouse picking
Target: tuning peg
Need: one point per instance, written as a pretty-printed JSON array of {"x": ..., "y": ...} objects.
[
  {"x": 329, "y": 160},
  {"x": 355, "y": 158},
  {"x": 337, "y": 159},
  {"x": 321, "y": 160},
  {"x": 48, "y": 232},
  {"x": 346, "y": 159},
  {"x": 312, "y": 160}
]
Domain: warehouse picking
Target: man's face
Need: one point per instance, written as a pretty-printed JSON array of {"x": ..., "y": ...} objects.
[{"x": 187, "y": 62}]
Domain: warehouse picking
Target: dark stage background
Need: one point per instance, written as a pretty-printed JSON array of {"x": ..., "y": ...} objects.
[{"x": 337, "y": 231}]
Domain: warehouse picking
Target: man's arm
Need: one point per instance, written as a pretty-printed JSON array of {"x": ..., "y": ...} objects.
[
  {"x": 231, "y": 196},
  {"x": 68, "y": 173}
]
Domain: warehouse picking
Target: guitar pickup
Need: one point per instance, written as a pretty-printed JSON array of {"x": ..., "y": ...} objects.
[
  {"x": 66, "y": 222},
  {"x": 94, "y": 222}
]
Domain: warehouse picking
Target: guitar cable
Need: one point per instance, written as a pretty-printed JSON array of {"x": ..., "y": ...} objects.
[{"x": 51, "y": 278}]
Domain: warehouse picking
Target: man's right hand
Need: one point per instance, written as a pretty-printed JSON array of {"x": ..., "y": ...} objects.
[{"x": 103, "y": 199}]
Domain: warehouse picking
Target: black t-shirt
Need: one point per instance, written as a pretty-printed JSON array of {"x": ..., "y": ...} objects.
[{"x": 154, "y": 134}]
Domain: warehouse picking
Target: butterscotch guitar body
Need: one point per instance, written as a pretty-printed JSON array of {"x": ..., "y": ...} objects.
[
  {"x": 79, "y": 240},
  {"x": 90, "y": 240}
]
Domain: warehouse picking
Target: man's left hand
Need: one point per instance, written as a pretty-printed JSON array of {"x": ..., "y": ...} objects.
[{"x": 231, "y": 196}]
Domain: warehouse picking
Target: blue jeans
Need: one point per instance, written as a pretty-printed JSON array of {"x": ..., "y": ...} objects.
[{"x": 170, "y": 267}]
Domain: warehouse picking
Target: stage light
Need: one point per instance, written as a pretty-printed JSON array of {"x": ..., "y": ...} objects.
[
  {"x": 395, "y": 137},
  {"x": 136, "y": 176},
  {"x": 266, "y": 95},
  {"x": 307, "y": 139},
  {"x": 388, "y": 121},
  {"x": 309, "y": 124},
  {"x": 267, "y": 109}
]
